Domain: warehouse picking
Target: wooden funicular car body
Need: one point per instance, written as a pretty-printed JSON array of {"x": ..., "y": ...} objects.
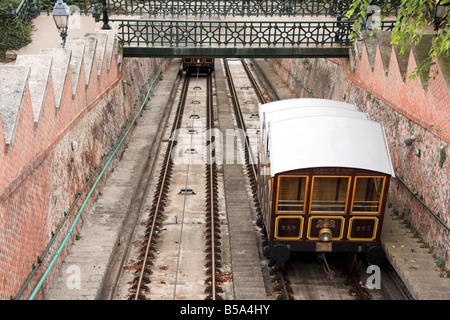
[{"x": 324, "y": 173}]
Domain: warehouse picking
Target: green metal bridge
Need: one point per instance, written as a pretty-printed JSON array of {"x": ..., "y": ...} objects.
[
  {"x": 219, "y": 38},
  {"x": 266, "y": 28}
]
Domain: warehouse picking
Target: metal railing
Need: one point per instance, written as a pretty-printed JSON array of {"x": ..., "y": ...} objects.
[
  {"x": 218, "y": 7},
  {"x": 136, "y": 32},
  {"x": 25, "y": 11},
  {"x": 231, "y": 33},
  {"x": 230, "y": 7},
  {"x": 237, "y": 7}
]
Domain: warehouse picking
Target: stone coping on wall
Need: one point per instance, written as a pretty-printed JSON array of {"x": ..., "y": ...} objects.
[
  {"x": 382, "y": 70},
  {"x": 55, "y": 86}
]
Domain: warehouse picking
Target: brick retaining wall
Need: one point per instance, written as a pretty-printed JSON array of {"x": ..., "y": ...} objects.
[{"x": 47, "y": 156}]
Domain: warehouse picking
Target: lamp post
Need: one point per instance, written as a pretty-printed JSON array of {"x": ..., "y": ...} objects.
[
  {"x": 106, "y": 25},
  {"x": 61, "y": 17}
]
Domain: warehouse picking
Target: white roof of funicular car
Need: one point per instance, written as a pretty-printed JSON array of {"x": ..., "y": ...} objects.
[{"x": 308, "y": 133}]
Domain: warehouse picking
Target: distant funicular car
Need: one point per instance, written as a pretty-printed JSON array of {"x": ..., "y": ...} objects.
[
  {"x": 198, "y": 65},
  {"x": 323, "y": 178}
]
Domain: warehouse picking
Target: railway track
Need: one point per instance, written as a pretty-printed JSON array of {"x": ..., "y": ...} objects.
[
  {"x": 178, "y": 221},
  {"x": 212, "y": 207},
  {"x": 239, "y": 128},
  {"x": 245, "y": 135},
  {"x": 145, "y": 264},
  {"x": 187, "y": 208}
]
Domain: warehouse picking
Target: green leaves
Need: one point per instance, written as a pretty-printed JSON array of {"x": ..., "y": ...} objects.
[{"x": 14, "y": 33}]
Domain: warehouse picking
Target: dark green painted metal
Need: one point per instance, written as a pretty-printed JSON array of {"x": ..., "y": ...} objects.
[
  {"x": 188, "y": 33},
  {"x": 231, "y": 7},
  {"x": 219, "y": 7},
  {"x": 228, "y": 52},
  {"x": 220, "y": 38}
]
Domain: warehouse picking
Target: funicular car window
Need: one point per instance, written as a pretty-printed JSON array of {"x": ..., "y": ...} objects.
[
  {"x": 329, "y": 194},
  {"x": 368, "y": 194},
  {"x": 291, "y": 193}
]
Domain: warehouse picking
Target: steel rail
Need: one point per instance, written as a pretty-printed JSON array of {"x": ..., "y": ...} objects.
[
  {"x": 240, "y": 121},
  {"x": 211, "y": 196},
  {"x": 172, "y": 143},
  {"x": 257, "y": 89},
  {"x": 211, "y": 193},
  {"x": 283, "y": 286},
  {"x": 358, "y": 289},
  {"x": 397, "y": 281}
]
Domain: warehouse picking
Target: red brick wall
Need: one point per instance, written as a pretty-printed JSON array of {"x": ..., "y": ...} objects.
[
  {"x": 429, "y": 108},
  {"x": 406, "y": 108},
  {"x": 40, "y": 174}
]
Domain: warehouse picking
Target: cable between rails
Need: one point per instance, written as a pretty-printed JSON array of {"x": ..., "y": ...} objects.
[{"x": 184, "y": 201}]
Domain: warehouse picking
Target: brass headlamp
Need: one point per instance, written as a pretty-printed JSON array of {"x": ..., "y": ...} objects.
[{"x": 325, "y": 233}]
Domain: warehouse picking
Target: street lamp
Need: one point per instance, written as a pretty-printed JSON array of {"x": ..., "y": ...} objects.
[
  {"x": 106, "y": 25},
  {"x": 61, "y": 17}
]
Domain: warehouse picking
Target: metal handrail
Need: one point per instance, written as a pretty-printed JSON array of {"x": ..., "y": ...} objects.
[
  {"x": 415, "y": 194},
  {"x": 215, "y": 7},
  {"x": 232, "y": 33},
  {"x": 107, "y": 157},
  {"x": 24, "y": 11}
]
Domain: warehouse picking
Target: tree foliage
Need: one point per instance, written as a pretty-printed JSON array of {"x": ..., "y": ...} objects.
[
  {"x": 14, "y": 33},
  {"x": 413, "y": 17}
]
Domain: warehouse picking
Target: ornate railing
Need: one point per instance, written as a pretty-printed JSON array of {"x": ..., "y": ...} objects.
[
  {"x": 231, "y": 33},
  {"x": 25, "y": 11},
  {"x": 253, "y": 34},
  {"x": 217, "y": 7},
  {"x": 230, "y": 7},
  {"x": 237, "y": 7}
]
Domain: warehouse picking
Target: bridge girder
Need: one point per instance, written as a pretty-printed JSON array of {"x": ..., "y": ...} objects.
[{"x": 239, "y": 52}]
